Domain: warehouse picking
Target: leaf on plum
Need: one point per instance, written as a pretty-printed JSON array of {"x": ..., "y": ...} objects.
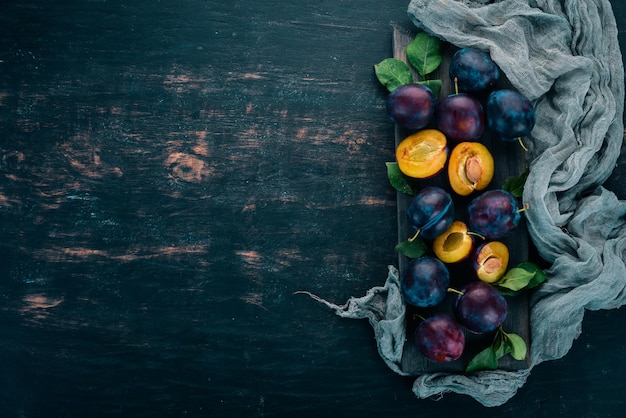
[
  {"x": 397, "y": 179},
  {"x": 485, "y": 360},
  {"x": 393, "y": 73},
  {"x": 515, "y": 185},
  {"x": 424, "y": 53},
  {"x": 412, "y": 248}
]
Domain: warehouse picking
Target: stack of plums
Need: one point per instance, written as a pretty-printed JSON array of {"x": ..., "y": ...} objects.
[{"x": 459, "y": 120}]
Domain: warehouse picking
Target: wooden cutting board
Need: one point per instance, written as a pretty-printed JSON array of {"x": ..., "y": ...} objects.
[{"x": 509, "y": 161}]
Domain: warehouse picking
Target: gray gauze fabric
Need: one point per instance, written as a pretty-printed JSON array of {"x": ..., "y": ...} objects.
[{"x": 564, "y": 56}]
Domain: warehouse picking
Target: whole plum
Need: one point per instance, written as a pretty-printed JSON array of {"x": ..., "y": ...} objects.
[
  {"x": 474, "y": 70},
  {"x": 493, "y": 214},
  {"x": 411, "y": 106},
  {"x": 510, "y": 115},
  {"x": 431, "y": 212},
  {"x": 440, "y": 338},
  {"x": 425, "y": 282},
  {"x": 480, "y": 307},
  {"x": 460, "y": 117}
]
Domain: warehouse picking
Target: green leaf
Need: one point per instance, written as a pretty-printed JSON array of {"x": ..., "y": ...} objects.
[
  {"x": 485, "y": 360},
  {"x": 434, "y": 85},
  {"x": 515, "y": 279},
  {"x": 517, "y": 346},
  {"x": 424, "y": 53},
  {"x": 539, "y": 278},
  {"x": 515, "y": 185},
  {"x": 525, "y": 275},
  {"x": 540, "y": 275},
  {"x": 393, "y": 73},
  {"x": 397, "y": 179},
  {"x": 412, "y": 249},
  {"x": 500, "y": 345},
  {"x": 529, "y": 266}
]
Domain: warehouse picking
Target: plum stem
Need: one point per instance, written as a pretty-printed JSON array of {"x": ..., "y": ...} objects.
[
  {"x": 524, "y": 209},
  {"x": 414, "y": 237},
  {"x": 452, "y": 290},
  {"x": 476, "y": 234},
  {"x": 498, "y": 335},
  {"x": 456, "y": 85},
  {"x": 521, "y": 142}
]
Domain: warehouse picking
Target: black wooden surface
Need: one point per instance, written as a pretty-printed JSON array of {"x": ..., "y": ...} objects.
[{"x": 171, "y": 173}]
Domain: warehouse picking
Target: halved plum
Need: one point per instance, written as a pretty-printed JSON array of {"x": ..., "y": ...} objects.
[
  {"x": 490, "y": 261},
  {"x": 470, "y": 167},
  {"x": 422, "y": 154},
  {"x": 455, "y": 244}
]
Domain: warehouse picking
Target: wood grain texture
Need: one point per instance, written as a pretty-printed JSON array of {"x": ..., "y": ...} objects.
[
  {"x": 171, "y": 174},
  {"x": 510, "y": 161}
]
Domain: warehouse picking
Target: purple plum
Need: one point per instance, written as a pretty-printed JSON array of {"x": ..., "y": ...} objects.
[
  {"x": 440, "y": 338},
  {"x": 424, "y": 282},
  {"x": 480, "y": 307}
]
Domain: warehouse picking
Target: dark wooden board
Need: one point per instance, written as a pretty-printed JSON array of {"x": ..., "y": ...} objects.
[{"x": 510, "y": 161}]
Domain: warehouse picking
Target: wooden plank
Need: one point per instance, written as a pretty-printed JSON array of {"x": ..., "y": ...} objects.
[{"x": 510, "y": 161}]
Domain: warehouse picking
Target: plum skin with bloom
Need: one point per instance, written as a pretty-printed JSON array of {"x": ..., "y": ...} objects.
[
  {"x": 440, "y": 338},
  {"x": 431, "y": 212},
  {"x": 424, "y": 282},
  {"x": 460, "y": 117},
  {"x": 510, "y": 115},
  {"x": 480, "y": 307},
  {"x": 411, "y": 106},
  {"x": 474, "y": 70},
  {"x": 493, "y": 214}
]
